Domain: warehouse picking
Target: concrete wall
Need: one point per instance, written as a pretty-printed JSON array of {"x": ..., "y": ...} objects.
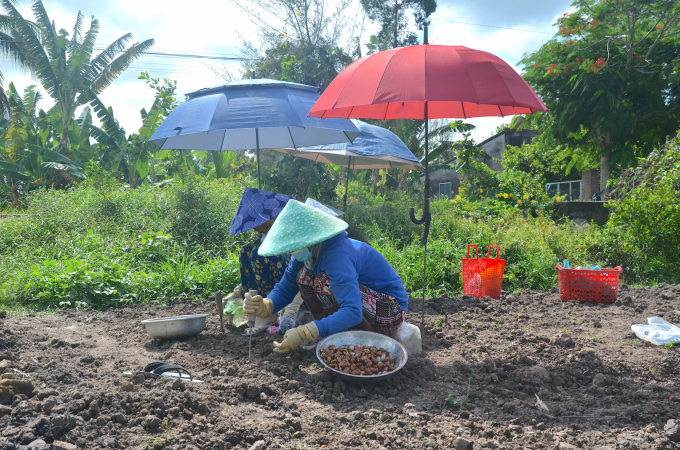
[
  {"x": 495, "y": 146},
  {"x": 588, "y": 211},
  {"x": 443, "y": 176}
]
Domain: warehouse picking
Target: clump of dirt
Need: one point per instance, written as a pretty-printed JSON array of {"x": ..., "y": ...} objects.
[{"x": 525, "y": 371}]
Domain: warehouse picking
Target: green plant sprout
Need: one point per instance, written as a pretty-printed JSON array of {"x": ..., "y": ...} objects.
[{"x": 458, "y": 403}]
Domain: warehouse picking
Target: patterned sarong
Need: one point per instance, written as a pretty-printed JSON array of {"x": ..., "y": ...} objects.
[{"x": 381, "y": 310}]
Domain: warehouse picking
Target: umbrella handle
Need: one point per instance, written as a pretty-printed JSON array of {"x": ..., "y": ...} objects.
[
  {"x": 426, "y": 219},
  {"x": 412, "y": 214}
]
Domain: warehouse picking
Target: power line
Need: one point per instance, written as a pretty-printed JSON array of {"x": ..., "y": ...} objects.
[
  {"x": 493, "y": 26},
  {"x": 191, "y": 55},
  {"x": 179, "y": 54}
]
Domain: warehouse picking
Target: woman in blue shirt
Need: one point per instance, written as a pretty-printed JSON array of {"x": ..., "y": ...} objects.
[{"x": 345, "y": 283}]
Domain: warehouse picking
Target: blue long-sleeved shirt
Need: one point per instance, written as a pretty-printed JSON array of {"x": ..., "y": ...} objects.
[{"x": 347, "y": 263}]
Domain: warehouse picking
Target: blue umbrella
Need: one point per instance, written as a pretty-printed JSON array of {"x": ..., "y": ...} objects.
[
  {"x": 250, "y": 114},
  {"x": 374, "y": 148}
]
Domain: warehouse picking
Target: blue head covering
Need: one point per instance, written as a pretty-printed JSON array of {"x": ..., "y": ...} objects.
[
  {"x": 257, "y": 207},
  {"x": 325, "y": 208}
]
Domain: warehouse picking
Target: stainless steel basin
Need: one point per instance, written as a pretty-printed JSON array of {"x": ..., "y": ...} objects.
[
  {"x": 176, "y": 327},
  {"x": 364, "y": 338}
]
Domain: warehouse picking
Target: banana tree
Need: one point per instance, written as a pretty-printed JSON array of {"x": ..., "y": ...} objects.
[
  {"x": 64, "y": 64},
  {"x": 11, "y": 51},
  {"x": 24, "y": 161}
]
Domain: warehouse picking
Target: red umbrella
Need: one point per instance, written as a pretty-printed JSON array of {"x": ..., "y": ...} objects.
[
  {"x": 427, "y": 82},
  {"x": 453, "y": 81}
]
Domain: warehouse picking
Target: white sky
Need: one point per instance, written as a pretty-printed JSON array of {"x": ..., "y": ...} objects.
[{"x": 212, "y": 27}]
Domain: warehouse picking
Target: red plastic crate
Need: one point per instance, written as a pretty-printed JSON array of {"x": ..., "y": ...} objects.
[
  {"x": 589, "y": 286},
  {"x": 483, "y": 276}
]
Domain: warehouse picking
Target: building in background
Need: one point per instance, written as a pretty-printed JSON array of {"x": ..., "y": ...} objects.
[{"x": 446, "y": 182}]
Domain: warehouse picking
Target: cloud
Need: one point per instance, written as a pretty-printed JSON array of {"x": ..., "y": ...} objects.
[
  {"x": 541, "y": 13},
  {"x": 207, "y": 26},
  {"x": 524, "y": 18}
]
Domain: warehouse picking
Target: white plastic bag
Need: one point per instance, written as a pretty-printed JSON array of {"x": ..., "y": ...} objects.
[
  {"x": 408, "y": 335},
  {"x": 658, "y": 332}
]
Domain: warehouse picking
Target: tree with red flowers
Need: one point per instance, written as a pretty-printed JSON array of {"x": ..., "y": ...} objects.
[{"x": 611, "y": 72}]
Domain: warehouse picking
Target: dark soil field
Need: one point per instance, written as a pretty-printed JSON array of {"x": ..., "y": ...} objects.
[{"x": 476, "y": 385}]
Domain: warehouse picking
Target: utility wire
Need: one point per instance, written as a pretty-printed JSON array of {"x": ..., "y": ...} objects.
[
  {"x": 493, "y": 26},
  {"x": 179, "y": 54},
  {"x": 192, "y": 55}
]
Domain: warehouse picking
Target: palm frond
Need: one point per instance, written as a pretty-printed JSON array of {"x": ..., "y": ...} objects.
[
  {"x": 48, "y": 30},
  {"x": 109, "y": 123},
  {"x": 151, "y": 121},
  {"x": 16, "y": 103},
  {"x": 23, "y": 33},
  {"x": 50, "y": 155},
  {"x": 4, "y": 104},
  {"x": 5, "y": 23},
  {"x": 69, "y": 169},
  {"x": 15, "y": 171},
  {"x": 107, "y": 55},
  {"x": 84, "y": 119},
  {"x": 10, "y": 49},
  {"x": 434, "y": 154},
  {"x": 118, "y": 65},
  {"x": 31, "y": 98},
  {"x": 79, "y": 61},
  {"x": 99, "y": 135},
  {"x": 76, "y": 37}
]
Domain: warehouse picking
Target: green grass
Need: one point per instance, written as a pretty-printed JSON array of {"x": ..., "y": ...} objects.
[
  {"x": 101, "y": 245},
  {"x": 104, "y": 246}
]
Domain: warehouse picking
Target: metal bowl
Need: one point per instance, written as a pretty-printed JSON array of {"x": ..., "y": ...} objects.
[
  {"x": 364, "y": 338},
  {"x": 176, "y": 327}
]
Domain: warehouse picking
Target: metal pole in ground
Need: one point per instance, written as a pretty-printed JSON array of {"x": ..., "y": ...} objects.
[
  {"x": 220, "y": 309},
  {"x": 344, "y": 198},
  {"x": 257, "y": 144}
]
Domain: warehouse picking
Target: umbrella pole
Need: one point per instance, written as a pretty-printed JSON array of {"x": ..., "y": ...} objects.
[
  {"x": 426, "y": 213},
  {"x": 257, "y": 145},
  {"x": 344, "y": 197},
  {"x": 427, "y": 218}
]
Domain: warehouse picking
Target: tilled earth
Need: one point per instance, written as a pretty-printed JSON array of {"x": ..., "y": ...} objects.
[{"x": 476, "y": 385}]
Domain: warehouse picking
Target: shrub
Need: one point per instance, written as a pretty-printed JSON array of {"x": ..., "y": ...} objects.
[
  {"x": 517, "y": 189},
  {"x": 643, "y": 232},
  {"x": 108, "y": 246},
  {"x": 103, "y": 245},
  {"x": 643, "y": 235}
]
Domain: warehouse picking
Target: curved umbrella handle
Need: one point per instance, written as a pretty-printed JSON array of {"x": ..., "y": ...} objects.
[
  {"x": 425, "y": 219},
  {"x": 412, "y": 214}
]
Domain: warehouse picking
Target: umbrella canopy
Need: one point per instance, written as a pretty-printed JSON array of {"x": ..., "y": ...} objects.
[
  {"x": 235, "y": 116},
  {"x": 454, "y": 81},
  {"x": 374, "y": 148},
  {"x": 250, "y": 115}
]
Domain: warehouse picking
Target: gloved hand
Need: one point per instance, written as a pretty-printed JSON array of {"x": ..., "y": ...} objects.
[
  {"x": 295, "y": 336},
  {"x": 262, "y": 308},
  {"x": 238, "y": 293}
]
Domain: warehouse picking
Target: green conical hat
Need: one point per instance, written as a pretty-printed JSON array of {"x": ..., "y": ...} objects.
[{"x": 298, "y": 226}]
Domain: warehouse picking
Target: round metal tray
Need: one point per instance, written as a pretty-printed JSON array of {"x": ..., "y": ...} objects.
[
  {"x": 364, "y": 338},
  {"x": 176, "y": 327}
]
